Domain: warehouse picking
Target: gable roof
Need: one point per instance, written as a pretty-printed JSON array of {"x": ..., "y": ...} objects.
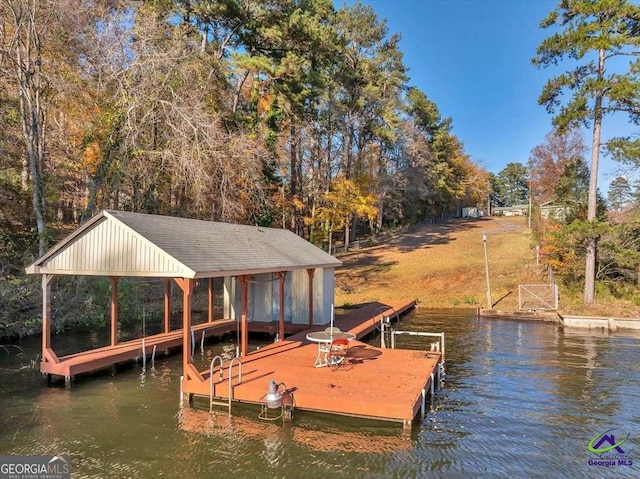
[{"x": 120, "y": 243}]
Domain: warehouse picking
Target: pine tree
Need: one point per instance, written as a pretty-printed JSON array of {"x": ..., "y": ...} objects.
[
  {"x": 620, "y": 193},
  {"x": 591, "y": 34}
]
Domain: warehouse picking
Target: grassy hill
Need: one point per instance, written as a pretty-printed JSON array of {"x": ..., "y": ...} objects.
[{"x": 443, "y": 266}]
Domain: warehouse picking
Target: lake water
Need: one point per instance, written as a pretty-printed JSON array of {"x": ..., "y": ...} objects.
[{"x": 519, "y": 399}]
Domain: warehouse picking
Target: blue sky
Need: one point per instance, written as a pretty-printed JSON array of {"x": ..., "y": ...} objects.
[{"x": 473, "y": 59}]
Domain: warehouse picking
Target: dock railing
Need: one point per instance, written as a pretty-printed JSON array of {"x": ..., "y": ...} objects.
[{"x": 436, "y": 346}]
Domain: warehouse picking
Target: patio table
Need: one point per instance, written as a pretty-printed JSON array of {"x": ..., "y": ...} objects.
[{"x": 324, "y": 339}]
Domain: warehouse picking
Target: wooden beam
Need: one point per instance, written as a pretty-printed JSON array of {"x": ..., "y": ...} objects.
[
  {"x": 46, "y": 314},
  {"x": 192, "y": 374},
  {"x": 244, "y": 328},
  {"x": 281, "y": 278},
  {"x": 114, "y": 310},
  {"x": 211, "y": 300},
  {"x": 167, "y": 305},
  {"x": 187, "y": 292},
  {"x": 49, "y": 356},
  {"x": 310, "y": 272}
]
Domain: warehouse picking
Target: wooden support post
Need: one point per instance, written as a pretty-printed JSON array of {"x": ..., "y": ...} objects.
[
  {"x": 187, "y": 292},
  {"x": 46, "y": 314},
  {"x": 210, "y": 300},
  {"x": 167, "y": 305},
  {"x": 310, "y": 273},
  {"x": 114, "y": 310},
  {"x": 281, "y": 278},
  {"x": 244, "y": 328}
]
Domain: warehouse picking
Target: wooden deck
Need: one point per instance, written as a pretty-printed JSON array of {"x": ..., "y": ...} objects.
[
  {"x": 93, "y": 359},
  {"x": 366, "y": 319},
  {"x": 383, "y": 384}
]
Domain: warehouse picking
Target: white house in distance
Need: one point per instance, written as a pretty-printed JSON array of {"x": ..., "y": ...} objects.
[{"x": 515, "y": 210}]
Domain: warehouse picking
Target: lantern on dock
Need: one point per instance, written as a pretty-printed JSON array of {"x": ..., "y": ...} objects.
[
  {"x": 277, "y": 403},
  {"x": 273, "y": 398}
]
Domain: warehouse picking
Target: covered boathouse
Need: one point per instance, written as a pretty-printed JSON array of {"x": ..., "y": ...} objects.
[{"x": 269, "y": 275}]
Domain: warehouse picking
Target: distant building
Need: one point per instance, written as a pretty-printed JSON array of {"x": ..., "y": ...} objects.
[
  {"x": 549, "y": 210},
  {"x": 470, "y": 212},
  {"x": 473, "y": 212},
  {"x": 515, "y": 210}
]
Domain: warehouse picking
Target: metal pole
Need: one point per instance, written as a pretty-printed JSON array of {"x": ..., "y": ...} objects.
[
  {"x": 530, "y": 205},
  {"x": 432, "y": 387},
  {"x": 486, "y": 267}
]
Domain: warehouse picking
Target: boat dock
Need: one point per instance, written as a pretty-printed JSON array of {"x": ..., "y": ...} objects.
[
  {"x": 86, "y": 361},
  {"x": 91, "y": 360},
  {"x": 373, "y": 383},
  {"x": 256, "y": 273},
  {"x": 604, "y": 323}
]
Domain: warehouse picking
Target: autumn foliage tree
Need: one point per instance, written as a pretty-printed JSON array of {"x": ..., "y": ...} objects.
[
  {"x": 295, "y": 114},
  {"x": 342, "y": 202},
  {"x": 548, "y": 161},
  {"x": 23, "y": 32}
]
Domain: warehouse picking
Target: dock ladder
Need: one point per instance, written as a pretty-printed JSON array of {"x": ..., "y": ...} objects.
[{"x": 213, "y": 402}]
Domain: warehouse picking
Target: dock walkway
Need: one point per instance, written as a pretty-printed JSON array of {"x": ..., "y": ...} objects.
[
  {"x": 98, "y": 358},
  {"x": 382, "y": 384}
]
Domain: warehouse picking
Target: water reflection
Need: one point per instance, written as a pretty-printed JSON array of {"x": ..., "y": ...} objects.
[
  {"x": 519, "y": 399},
  {"x": 517, "y": 393},
  {"x": 320, "y": 436}
]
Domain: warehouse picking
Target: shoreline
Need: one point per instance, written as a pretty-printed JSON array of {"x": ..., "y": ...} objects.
[{"x": 571, "y": 321}]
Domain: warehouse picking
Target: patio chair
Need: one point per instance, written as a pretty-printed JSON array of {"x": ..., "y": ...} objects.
[{"x": 337, "y": 352}]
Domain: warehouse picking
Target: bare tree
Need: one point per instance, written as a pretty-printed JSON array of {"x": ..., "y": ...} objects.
[
  {"x": 548, "y": 161},
  {"x": 23, "y": 27},
  {"x": 177, "y": 153}
]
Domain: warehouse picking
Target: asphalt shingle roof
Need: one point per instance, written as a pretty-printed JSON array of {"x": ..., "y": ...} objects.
[{"x": 212, "y": 248}]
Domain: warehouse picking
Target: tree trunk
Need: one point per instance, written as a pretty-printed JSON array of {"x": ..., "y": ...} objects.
[
  {"x": 378, "y": 224},
  {"x": 346, "y": 235},
  {"x": 294, "y": 183},
  {"x": 312, "y": 226},
  {"x": 28, "y": 76},
  {"x": 590, "y": 262},
  {"x": 354, "y": 228},
  {"x": 238, "y": 90}
]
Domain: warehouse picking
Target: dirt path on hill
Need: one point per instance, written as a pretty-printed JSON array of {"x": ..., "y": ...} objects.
[{"x": 442, "y": 265}]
